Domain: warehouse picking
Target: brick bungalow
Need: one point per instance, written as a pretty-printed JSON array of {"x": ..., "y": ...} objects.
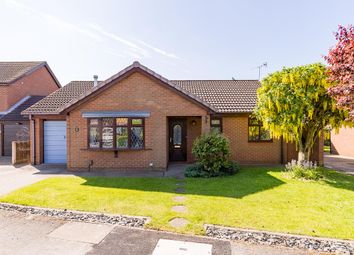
[
  {"x": 138, "y": 119},
  {"x": 21, "y": 85}
]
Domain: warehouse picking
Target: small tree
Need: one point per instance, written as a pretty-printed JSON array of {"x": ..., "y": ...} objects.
[
  {"x": 293, "y": 103},
  {"x": 211, "y": 152},
  {"x": 341, "y": 69}
]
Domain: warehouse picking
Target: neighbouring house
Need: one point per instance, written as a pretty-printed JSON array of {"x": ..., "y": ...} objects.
[
  {"x": 138, "y": 119},
  {"x": 342, "y": 143},
  {"x": 21, "y": 85}
]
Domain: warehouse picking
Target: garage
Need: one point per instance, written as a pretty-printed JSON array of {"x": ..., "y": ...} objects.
[
  {"x": 14, "y": 132},
  {"x": 54, "y": 142}
]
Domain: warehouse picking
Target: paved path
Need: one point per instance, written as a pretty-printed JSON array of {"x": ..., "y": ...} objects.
[
  {"x": 340, "y": 163},
  {"x": 13, "y": 178},
  {"x": 27, "y": 234}
]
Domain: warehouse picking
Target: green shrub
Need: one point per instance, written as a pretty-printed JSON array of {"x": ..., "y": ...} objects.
[
  {"x": 197, "y": 171},
  {"x": 211, "y": 151},
  {"x": 231, "y": 167},
  {"x": 304, "y": 170}
]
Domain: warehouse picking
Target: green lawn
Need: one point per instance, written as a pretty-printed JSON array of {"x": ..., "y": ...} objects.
[{"x": 258, "y": 197}]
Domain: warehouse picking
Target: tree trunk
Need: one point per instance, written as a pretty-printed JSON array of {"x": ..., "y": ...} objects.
[
  {"x": 304, "y": 152},
  {"x": 301, "y": 156}
]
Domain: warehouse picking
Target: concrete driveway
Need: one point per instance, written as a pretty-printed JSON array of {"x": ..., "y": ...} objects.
[
  {"x": 21, "y": 234},
  {"x": 15, "y": 177},
  {"x": 340, "y": 163}
]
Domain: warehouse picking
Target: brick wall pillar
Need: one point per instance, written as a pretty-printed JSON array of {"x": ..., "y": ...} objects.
[{"x": 205, "y": 124}]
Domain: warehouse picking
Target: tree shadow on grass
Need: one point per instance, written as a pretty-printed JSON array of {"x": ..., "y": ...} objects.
[
  {"x": 246, "y": 182},
  {"x": 338, "y": 180}
]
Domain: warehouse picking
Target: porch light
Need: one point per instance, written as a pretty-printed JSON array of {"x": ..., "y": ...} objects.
[{"x": 194, "y": 122}]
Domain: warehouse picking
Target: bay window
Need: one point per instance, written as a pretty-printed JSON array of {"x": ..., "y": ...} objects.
[{"x": 116, "y": 133}]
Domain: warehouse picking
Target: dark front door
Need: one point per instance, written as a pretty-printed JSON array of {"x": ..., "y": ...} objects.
[{"x": 177, "y": 139}]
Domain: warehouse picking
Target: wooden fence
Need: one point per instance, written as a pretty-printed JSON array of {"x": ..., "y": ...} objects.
[{"x": 20, "y": 152}]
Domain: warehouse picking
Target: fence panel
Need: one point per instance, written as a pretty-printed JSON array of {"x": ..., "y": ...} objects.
[{"x": 20, "y": 152}]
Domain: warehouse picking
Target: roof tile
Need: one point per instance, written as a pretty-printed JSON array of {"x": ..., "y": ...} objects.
[
  {"x": 223, "y": 96},
  {"x": 10, "y": 71}
]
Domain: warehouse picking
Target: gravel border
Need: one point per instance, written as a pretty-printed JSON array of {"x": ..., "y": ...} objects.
[
  {"x": 277, "y": 239},
  {"x": 121, "y": 220}
]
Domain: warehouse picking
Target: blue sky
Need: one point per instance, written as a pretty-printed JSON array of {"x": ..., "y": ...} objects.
[{"x": 181, "y": 39}]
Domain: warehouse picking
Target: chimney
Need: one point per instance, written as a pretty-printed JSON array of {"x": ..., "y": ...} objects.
[{"x": 95, "y": 82}]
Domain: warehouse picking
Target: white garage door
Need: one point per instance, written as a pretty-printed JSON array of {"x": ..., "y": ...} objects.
[{"x": 54, "y": 142}]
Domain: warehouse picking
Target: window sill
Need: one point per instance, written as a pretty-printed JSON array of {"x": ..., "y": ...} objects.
[{"x": 101, "y": 149}]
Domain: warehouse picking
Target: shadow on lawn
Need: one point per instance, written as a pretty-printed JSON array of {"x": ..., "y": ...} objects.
[
  {"x": 339, "y": 180},
  {"x": 246, "y": 182}
]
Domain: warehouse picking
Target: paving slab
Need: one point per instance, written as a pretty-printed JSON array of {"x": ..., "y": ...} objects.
[
  {"x": 179, "y": 208},
  {"x": 238, "y": 248},
  {"x": 178, "y": 222},
  {"x": 127, "y": 241},
  {"x": 173, "y": 247},
  {"x": 82, "y": 232},
  {"x": 16, "y": 177},
  {"x": 23, "y": 235},
  {"x": 179, "y": 199},
  {"x": 180, "y": 190}
]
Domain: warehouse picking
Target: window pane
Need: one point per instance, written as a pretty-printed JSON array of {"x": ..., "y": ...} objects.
[
  {"x": 177, "y": 136},
  {"x": 107, "y": 137},
  {"x": 137, "y": 137},
  {"x": 107, "y": 121},
  {"x": 121, "y": 121},
  {"x": 215, "y": 122},
  {"x": 94, "y": 137},
  {"x": 122, "y": 137},
  {"x": 253, "y": 133},
  {"x": 216, "y": 130},
  {"x": 265, "y": 135},
  {"x": 137, "y": 121},
  {"x": 93, "y": 121}
]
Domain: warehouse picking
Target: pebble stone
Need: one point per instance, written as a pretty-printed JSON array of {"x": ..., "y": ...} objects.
[
  {"x": 275, "y": 239},
  {"x": 130, "y": 221}
]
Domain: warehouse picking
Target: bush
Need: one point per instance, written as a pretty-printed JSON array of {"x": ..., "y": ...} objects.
[
  {"x": 196, "y": 170},
  {"x": 211, "y": 152},
  {"x": 304, "y": 170}
]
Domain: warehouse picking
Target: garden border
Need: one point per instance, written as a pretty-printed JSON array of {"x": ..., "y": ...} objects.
[
  {"x": 278, "y": 239},
  {"x": 91, "y": 217}
]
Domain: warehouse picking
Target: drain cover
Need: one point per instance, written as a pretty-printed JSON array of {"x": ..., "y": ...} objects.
[{"x": 172, "y": 247}]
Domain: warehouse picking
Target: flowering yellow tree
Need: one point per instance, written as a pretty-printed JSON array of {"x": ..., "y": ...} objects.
[{"x": 294, "y": 104}]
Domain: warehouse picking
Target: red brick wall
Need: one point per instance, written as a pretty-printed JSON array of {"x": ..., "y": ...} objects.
[
  {"x": 236, "y": 129},
  {"x": 38, "y": 83},
  {"x": 342, "y": 143},
  {"x": 193, "y": 131},
  {"x": 135, "y": 93}
]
